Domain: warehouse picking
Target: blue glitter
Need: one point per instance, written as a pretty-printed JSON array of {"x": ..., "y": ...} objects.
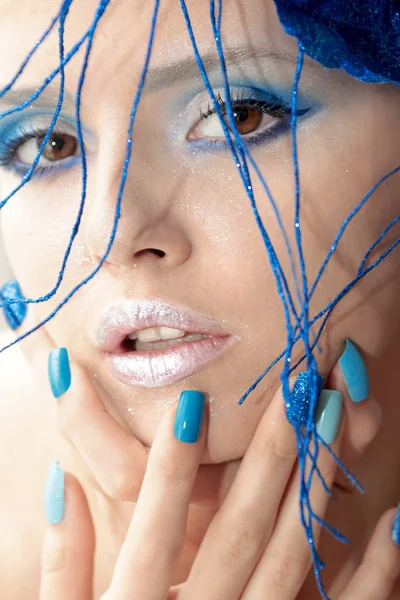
[{"x": 298, "y": 407}]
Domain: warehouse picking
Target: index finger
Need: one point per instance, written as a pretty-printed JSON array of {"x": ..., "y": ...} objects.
[{"x": 115, "y": 458}]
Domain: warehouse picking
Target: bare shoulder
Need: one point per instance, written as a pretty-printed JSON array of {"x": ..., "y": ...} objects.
[{"x": 23, "y": 465}]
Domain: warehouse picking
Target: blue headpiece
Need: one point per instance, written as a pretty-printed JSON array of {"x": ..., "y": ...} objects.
[{"x": 361, "y": 37}]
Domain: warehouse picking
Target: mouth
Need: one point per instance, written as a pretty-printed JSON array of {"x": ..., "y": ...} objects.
[{"x": 150, "y": 343}]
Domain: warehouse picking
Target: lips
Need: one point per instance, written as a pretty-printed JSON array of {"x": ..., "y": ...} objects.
[{"x": 159, "y": 367}]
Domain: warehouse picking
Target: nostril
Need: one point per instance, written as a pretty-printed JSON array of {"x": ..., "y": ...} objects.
[{"x": 159, "y": 253}]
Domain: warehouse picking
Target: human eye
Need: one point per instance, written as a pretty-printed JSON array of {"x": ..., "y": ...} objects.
[
  {"x": 19, "y": 147},
  {"x": 257, "y": 116}
]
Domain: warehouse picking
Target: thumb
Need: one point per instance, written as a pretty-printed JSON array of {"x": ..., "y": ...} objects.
[{"x": 68, "y": 550}]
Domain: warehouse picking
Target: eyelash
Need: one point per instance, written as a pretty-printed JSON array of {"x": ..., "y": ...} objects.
[
  {"x": 12, "y": 145},
  {"x": 273, "y": 107}
]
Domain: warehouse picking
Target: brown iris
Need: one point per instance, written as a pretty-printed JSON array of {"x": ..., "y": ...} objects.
[
  {"x": 58, "y": 147},
  {"x": 247, "y": 119}
]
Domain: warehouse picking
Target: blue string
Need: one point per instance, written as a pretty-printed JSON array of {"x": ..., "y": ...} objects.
[
  {"x": 347, "y": 221},
  {"x": 30, "y": 54},
  {"x": 243, "y": 171},
  {"x": 376, "y": 243},
  {"x": 121, "y": 187},
  {"x": 328, "y": 309},
  {"x": 90, "y": 34},
  {"x": 239, "y": 144},
  {"x": 241, "y": 155}
]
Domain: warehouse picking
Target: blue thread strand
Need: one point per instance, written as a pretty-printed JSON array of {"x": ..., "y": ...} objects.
[
  {"x": 121, "y": 187},
  {"x": 376, "y": 243},
  {"x": 26, "y": 60}
]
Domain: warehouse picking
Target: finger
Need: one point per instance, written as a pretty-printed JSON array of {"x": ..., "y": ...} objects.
[
  {"x": 68, "y": 551},
  {"x": 158, "y": 529},
  {"x": 364, "y": 417},
  {"x": 239, "y": 531},
  {"x": 380, "y": 568},
  {"x": 36, "y": 346},
  {"x": 286, "y": 560},
  {"x": 116, "y": 459}
]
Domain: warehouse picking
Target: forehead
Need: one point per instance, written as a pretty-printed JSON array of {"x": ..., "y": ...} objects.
[{"x": 122, "y": 35}]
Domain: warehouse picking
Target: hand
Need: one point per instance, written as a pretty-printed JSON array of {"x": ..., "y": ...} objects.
[{"x": 254, "y": 545}]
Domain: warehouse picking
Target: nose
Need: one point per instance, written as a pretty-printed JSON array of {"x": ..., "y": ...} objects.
[{"x": 150, "y": 229}]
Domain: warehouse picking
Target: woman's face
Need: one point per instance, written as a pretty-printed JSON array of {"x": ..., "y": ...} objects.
[{"x": 187, "y": 234}]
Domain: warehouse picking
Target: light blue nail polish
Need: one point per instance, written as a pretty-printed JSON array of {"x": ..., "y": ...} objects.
[
  {"x": 327, "y": 418},
  {"x": 59, "y": 371},
  {"x": 396, "y": 528},
  {"x": 189, "y": 416},
  {"x": 13, "y": 313},
  {"x": 354, "y": 372},
  {"x": 54, "y": 494},
  {"x": 298, "y": 407}
]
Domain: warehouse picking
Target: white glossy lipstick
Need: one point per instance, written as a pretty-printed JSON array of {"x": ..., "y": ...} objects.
[{"x": 155, "y": 368}]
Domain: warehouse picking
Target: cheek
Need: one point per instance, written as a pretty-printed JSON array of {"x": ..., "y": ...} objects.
[{"x": 36, "y": 226}]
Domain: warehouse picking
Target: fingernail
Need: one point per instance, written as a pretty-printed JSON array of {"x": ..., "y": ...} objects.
[
  {"x": 13, "y": 313},
  {"x": 396, "y": 527},
  {"x": 54, "y": 494},
  {"x": 59, "y": 371},
  {"x": 189, "y": 416},
  {"x": 298, "y": 407},
  {"x": 327, "y": 418},
  {"x": 354, "y": 372}
]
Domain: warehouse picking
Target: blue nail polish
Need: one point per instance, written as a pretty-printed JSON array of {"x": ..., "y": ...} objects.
[
  {"x": 297, "y": 409},
  {"x": 59, "y": 371},
  {"x": 354, "y": 372},
  {"x": 396, "y": 528},
  {"x": 54, "y": 494},
  {"x": 327, "y": 417},
  {"x": 189, "y": 416},
  {"x": 13, "y": 313}
]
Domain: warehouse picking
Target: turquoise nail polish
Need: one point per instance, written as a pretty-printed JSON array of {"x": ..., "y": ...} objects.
[
  {"x": 329, "y": 410},
  {"x": 396, "y": 528},
  {"x": 189, "y": 416},
  {"x": 354, "y": 372},
  {"x": 59, "y": 371},
  {"x": 54, "y": 494}
]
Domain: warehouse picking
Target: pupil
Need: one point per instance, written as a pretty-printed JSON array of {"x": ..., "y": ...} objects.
[
  {"x": 57, "y": 143},
  {"x": 241, "y": 114}
]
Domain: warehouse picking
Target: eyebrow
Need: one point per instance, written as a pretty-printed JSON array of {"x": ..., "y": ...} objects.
[
  {"x": 188, "y": 69},
  {"x": 48, "y": 98},
  {"x": 158, "y": 77}
]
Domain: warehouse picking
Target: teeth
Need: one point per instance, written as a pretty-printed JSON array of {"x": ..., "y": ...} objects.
[
  {"x": 143, "y": 346},
  {"x": 167, "y": 333},
  {"x": 153, "y": 334}
]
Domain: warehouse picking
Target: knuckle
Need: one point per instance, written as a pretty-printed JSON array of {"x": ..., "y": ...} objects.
[
  {"x": 55, "y": 553},
  {"x": 288, "y": 570},
  {"x": 386, "y": 564},
  {"x": 242, "y": 541},
  {"x": 122, "y": 484},
  {"x": 170, "y": 470},
  {"x": 280, "y": 451},
  {"x": 150, "y": 555}
]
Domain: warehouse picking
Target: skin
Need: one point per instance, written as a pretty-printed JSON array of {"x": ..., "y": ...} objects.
[{"x": 201, "y": 219}]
